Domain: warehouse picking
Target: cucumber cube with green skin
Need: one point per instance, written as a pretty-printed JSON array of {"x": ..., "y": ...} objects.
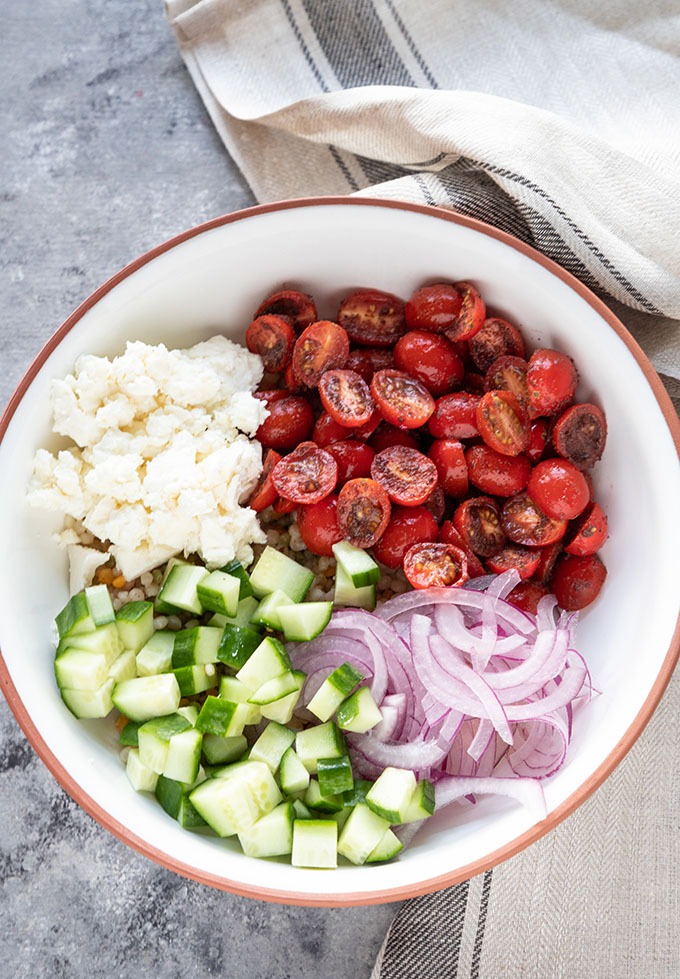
[
  {"x": 317, "y": 800},
  {"x": 237, "y": 645},
  {"x": 335, "y": 775},
  {"x": 174, "y": 799},
  {"x": 190, "y": 712},
  {"x": 236, "y": 569},
  {"x": 357, "y": 793},
  {"x": 90, "y": 703},
  {"x": 219, "y": 750},
  {"x": 271, "y": 835},
  {"x": 268, "y": 611},
  {"x": 145, "y": 697},
  {"x": 305, "y": 620},
  {"x": 276, "y": 688},
  {"x": 362, "y": 832},
  {"x": 141, "y": 778},
  {"x": 195, "y": 679},
  {"x": 301, "y": 810},
  {"x": 124, "y": 667},
  {"x": 103, "y": 639},
  {"x": 281, "y": 710},
  {"x": 178, "y": 591},
  {"x": 155, "y": 656},
  {"x": 315, "y": 843},
  {"x": 81, "y": 669},
  {"x": 357, "y": 564},
  {"x": 359, "y": 712},
  {"x": 100, "y": 604},
  {"x": 390, "y": 794},
  {"x": 232, "y": 689},
  {"x": 236, "y": 797},
  {"x": 421, "y": 805},
  {"x": 334, "y": 689},
  {"x": 219, "y": 592},
  {"x": 134, "y": 622},
  {"x": 222, "y": 717},
  {"x": 271, "y": 745},
  {"x": 268, "y": 660},
  {"x": 275, "y": 570},
  {"x": 129, "y": 734},
  {"x": 388, "y": 847},
  {"x": 154, "y": 737},
  {"x": 347, "y": 595},
  {"x": 197, "y": 645},
  {"x": 184, "y": 756},
  {"x": 293, "y": 776},
  {"x": 320, "y": 741},
  {"x": 247, "y": 607},
  {"x": 75, "y": 617}
]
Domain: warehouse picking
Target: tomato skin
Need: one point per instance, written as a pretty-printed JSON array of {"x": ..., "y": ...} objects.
[
  {"x": 407, "y": 475},
  {"x": 367, "y": 360},
  {"x": 327, "y": 430},
  {"x": 559, "y": 488},
  {"x": 449, "y": 535},
  {"x": 523, "y": 559},
  {"x": 503, "y": 422},
  {"x": 496, "y": 338},
  {"x": 548, "y": 556},
  {"x": 508, "y": 373},
  {"x": 436, "y": 503},
  {"x": 525, "y": 523},
  {"x": 364, "y": 432},
  {"x": 526, "y": 595},
  {"x": 386, "y": 435},
  {"x": 471, "y": 316},
  {"x": 579, "y": 434},
  {"x": 290, "y": 422},
  {"x": 353, "y": 459},
  {"x": 435, "y": 565},
  {"x": 306, "y": 475},
  {"x": 435, "y": 307},
  {"x": 401, "y": 399},
  {"x": 270, "y": 395},
  {"x": 264, "y": 493},
  {"x": 455, "y": 416},
  {"x": 290, "y": 381},
  {"x": 273, "y": 338},
  {"x": 407, "y": 526},
  {"x": 478, "y": 521},
  {"x": 323, "y": 346},
  {"x": 363, "y": 511},
  {"x": 299, "y": 307},
  {"x": 448, "y": 456},
  {"x": 589, "y": 532},
  {"x": 372, "y": 318},
  {"x": 551, "y": 381},
  {"x": 346, "y": 397},
  {"x": 539, "y": 437},
  {"x": 431, "y": 359},
  {"x": 497, "y": 474},
  {"x": 577, "y": 580},
  {"x": 318, "y": 525},
  {"x": 282, "y": 505}
]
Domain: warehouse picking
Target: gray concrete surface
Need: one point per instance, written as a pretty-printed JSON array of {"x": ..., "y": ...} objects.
[{"x": 105, "y": 150}]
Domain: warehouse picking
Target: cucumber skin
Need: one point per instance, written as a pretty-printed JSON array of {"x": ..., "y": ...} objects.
[{"x": 237, "y": 645}]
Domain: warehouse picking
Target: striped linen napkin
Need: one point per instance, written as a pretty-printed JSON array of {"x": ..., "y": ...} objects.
[{"x": 558, "y": 123}]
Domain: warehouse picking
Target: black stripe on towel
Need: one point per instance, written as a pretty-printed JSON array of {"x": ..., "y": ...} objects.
[
  {"x": 412, "y": 45},
  {"x": 481, "y": 925},
  {"x": 425, "y": 937}
]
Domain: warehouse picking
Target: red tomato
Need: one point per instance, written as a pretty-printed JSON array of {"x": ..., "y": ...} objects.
[
  {"x": 273, "y": 338},
  {"x": 577, "y": 580},
  {"x": 407, "y": 526},
  {"x": 346, "y": 397},
  {"x": 363, "y": 511},
  {"x": 290, "y": 422},
  {"x": 472, "y": 313},
  {"x": 547, "y": 558},
  {"x": 297, "y": 306},
  {"x": 589, "y": 532},
  {"x": 431, "y": 359},
  {"x": 318, "y": 525},
  {"x": 455, "y": 416},
  {"x": 372, "y": 318},
  {"x": 526, "y": 595},
  {"x": 478, "y": 521},
  {"x": 402, "y": 400},
  {"x": 328, "y": 430},
  {"x": 282, "y": 505},
  {"x": 323, "y": 346},
  {"x": 434, "y": 307},
  {"x": 539, "y": 436},
  {"x": 473, "y": 382},
  {"x": 448, "y": 456},
  {"x": 508, "y": 374},
  {"x": 264, "y": 493},
  {"x": 495, "y": 473},
  {"x": 407, "y": 475},
  {"x": 270, "y": 395},
  {"x": 449, "y": 535},
  {"x": 497, "y": 338},
  {"x": 559, "y": 488},
  {"x": 551, "y": 381},
  {"x": 525, "y": 523},
  {"x": 386, "y": 435},
  {"x": 364, "y": 432},
  {"x": 522, "y": 559},
  {"x": 306, "y": 475},
  {"x": 290, "y": 381},
  {"x": 436, "y": 503},
  {"x": 503, "y": 422},
  {"x": 435, "y": 565},
  {"x": 580, "y": 433},
  {"x": 353, "y": 458},
  {"x": 367, "y": 360}
]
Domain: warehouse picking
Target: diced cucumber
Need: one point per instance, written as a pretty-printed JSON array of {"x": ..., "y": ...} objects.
[
  {"x": 335, "y": 775},
  {"x": 269, "y": 659},
  {"x": 275, "y": 570},
  {"x": 304, "y": 621},
  {"x": 237, "y": 644},
  {"x": 422, "y": 802},
  {"x": 184, "y": 756},
  {"x": 89, "y": 703},
  {"x": 128, "y": 734},
  {"x": 269, "y": 610},
  {"x": 141, "y": 778},
  {"x": 155, "y": 656},
  {"x": 264, "y": 789},
  {"x": 276, "y": 688},
  {"x": 359, "y": 712},
  {"x": 222, "y": 717},
  {"x": 190, "y": 712},
  {"x": 81, "y": 669},
  {"x": 219, "y": 592},
  {"x": 388, "y": 847},
  {"x": 232, "y": 689},
  {"x": 281, "y": 710},
  {"x": 315, "y": 843},
  {"x": 390, "y": 794},
  {"x": 357, "y": 564},
  {"x": 154, "y": 738},
  {"x": 76, "y": 617},
  {"x": 357, "y": 793},
  {"x": 320, "y": 741},
  {"x": 271, "y": 745},
  {"x": 219, "y": 750},
  {"x": 145, "y": 697},
  {"x": 197, "y": 645},
  {"x": 362, "y": 832},
  {"x": 271, "y": 835},
  {"x": 124, "y": 667},
  {"x": 173, "y": 796},
  {"x": 179, "y": 588},
  {"x": 134, "y": 622},
  {"x": 317, "y": 800},
  {"x": 195, "y": 679},
  {"x": 236, "y": 569},
  {"x": 244, "y": 614},
  {"x": 100, "y": 604},
  {"x": 301, "y": 810},
  {"x": 334, "y": 689},
  {"x": 293, "y": 776},
  {"x": 233, "y": 801},
  {"x": 348, "y": 595},
  {"x": 103, "y": 639}
]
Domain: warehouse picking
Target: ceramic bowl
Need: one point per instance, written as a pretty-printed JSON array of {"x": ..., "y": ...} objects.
[{"x": 210, "y": 279}]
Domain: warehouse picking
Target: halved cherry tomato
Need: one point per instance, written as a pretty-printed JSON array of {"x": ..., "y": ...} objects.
[
  {"x": 323, "y": 346},
  {"x": 367, "y": 360},
  {"x": 547, "y": 559},
  {"x": 290, "y": 422},
  {"x": 372, "y": 318},
  {"x": 589, "y": 532},
  {"x": 497, "y": 338},
  {"x": 524, "y": 560},
  {"x": 508, "y": 374},
  {"x": 577, "y": 580},
  {"x": 580, "y": 433},
  {"x": 539, "y": 436},
  {"x": 455, "y": 416},
  {"x": 306, "y": 475},
  {"x": 318, "y": 525},
  {"x": 386, "y": 435},
  {"x": 290, "y": 381},
  {"x": 551, "y": 381},
  {"x": 503, "y": 422},
  {"x": 363, "y": 511},
  {"x": 270, "y": 395},
  {"x": 470, "y": 319},
  {"x": 526, "y": 595},
  {"x": 559, "y": 488},
  {"x": 448, "y": 456},
  {"x": 407, "y": 475},
  {"x": 297, "y": 306},
  {"x": 353, "y": 458},
  {"x": 346, "y": 397},
  {"x": 402, "y": 400},
  {"x": 525, "y": 523},
  {"x": 449, "y": 535},
  {"x": 478, "y": 521},
  {"x": 434, "y": 307},
  {"x": 436, "y": 503},
  {"x": 265, "y": 493},
  {"x": 282, "y": 505},
  {"x": 435, "y": 565},
  {"x": 407, "y": 526},
  {"x": 273, "y": 338},
  {"x": 495, "y": 473},
  {"x": 365, "y": 431},
  {"x": 328, "y": 430},
  {"x": 431, "y": 359}
]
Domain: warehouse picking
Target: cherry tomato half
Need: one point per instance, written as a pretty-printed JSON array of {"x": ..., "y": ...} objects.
[
  {"x": 282, "y": 505},
  {"x": 455, "y": 416},
  {"x": 328, "y": 430},
  {"x": 589, "y": 532},
  {"x": 526, "y": 595},
  {"x": 431, "y": 359},
  {"x": 306, "y": 475},
  {"x": 318, "y": 525},
  {"x": 323, "y": 346},
  {"x": 353, "y": 458},
  {"x": 559, "y": 488},
  {"x": 580, "y": 433},
  {"x": 448, "y": 456},
  {"x": 497, "y": 338},
  {"x": 522, "y": 559},
  {"x": 503, "y": 422},
  {"x": 551, "y": 381},
  {"x": 449, "y": 535},
  {"x": 402, "y": 400},
  {"x": 435, "y": 565},
  {"x": 346, "y": 397},
  {"x": 290, "y": 422},
  {"x": 367, "y": 360},
  {"x": 478, "y": 521},
  {"x": 436, "y": 503},
  {"x": 407, "y": 526},
  {"x": 539, "y": 436},
  {"x": 434, "y": 308},
  {"x": 407, "y": 475},
  {"x": 525, "y": 523},
  {"x": 547, "y": 559},
  {"x": 577, "y": 580},
  {"x": 372, "y": 318},
  {"x": 508, "y": 374},
  {"x": 297, "y": 306},
  {"x": 265, "y": 493},
  {"x": 273, "y": 338},
  {"x": 470, "y": 319},
  {"x": 363, "y": 511},
  {"x": 495, "y": 473}
]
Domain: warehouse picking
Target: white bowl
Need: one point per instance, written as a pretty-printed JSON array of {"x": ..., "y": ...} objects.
[{"x": 211, "y": 279}]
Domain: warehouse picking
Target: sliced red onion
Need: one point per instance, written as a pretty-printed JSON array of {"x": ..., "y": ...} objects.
[{"x": 528, "y": 791}]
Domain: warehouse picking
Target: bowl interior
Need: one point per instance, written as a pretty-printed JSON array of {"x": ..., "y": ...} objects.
[{"x": 211, "y": 282}]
